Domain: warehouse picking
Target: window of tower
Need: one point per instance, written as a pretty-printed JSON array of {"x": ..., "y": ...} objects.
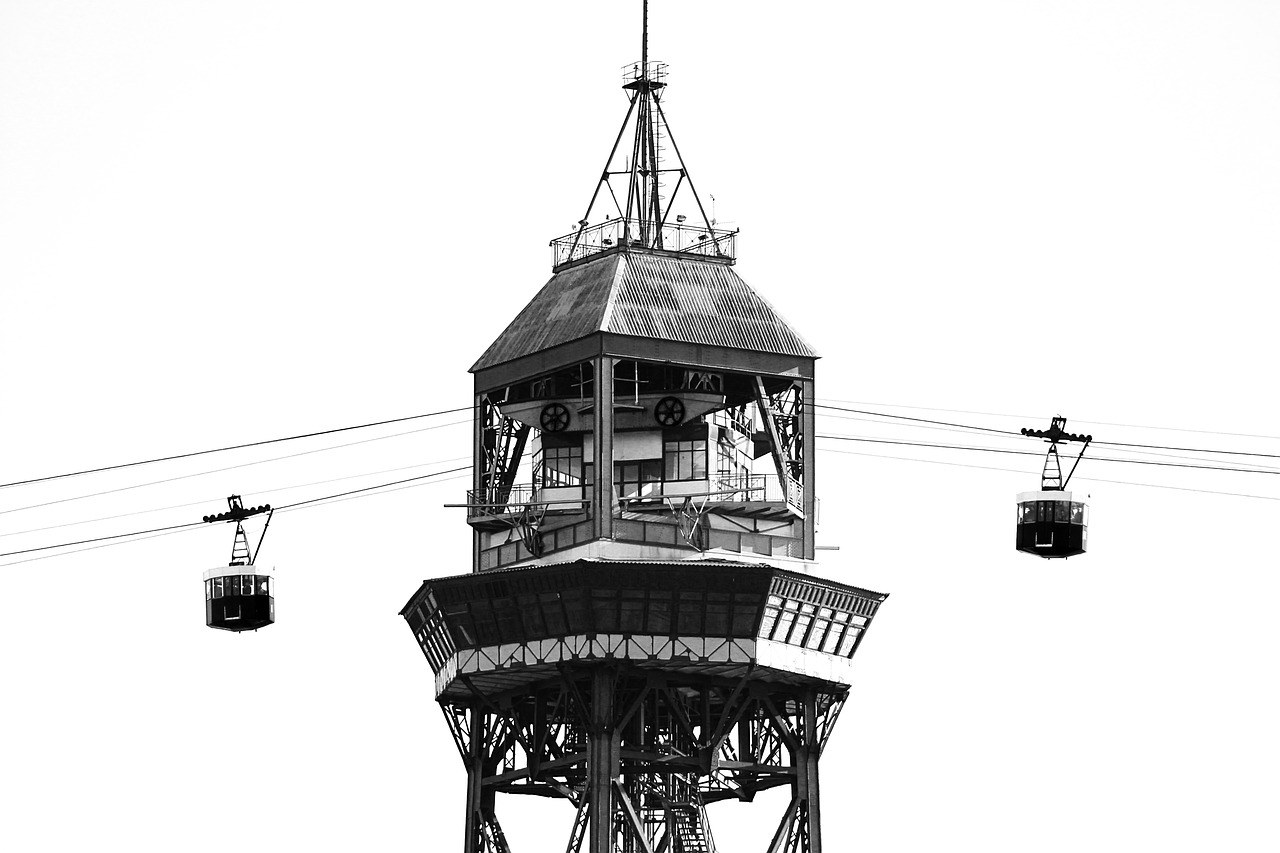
[
  {"x": 684, "y": 460},
  {"x": 561, "y": 466},
  {"x": 634, "y": 479}
]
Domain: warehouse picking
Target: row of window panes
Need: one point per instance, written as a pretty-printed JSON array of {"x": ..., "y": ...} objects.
[
  {"x": 435, "y": 648},
  {"x": 552, "y": 614},
  {"x": 818, "y": 628},
  {"x": 631, "y": 478},
  {"x": 237, "y": 585},
  {"x": 684, "y": 460},
  {"x": 561, "y": 466},
  {"x": 1061, "y": 512}
]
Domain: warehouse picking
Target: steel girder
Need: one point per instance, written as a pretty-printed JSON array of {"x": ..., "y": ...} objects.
[
  {"x": 639, "y": 754},
  {"x": 502, "y": 444}
]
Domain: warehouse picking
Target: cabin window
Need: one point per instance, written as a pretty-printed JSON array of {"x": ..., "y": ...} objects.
[
  {"x": 820, "y": 627},
  {"x": 1077, "y": 513},
  {"x": 717, "y": 623},
  {"x": 847, "y": 643},
  {"x": 684, "y": 460},
  {"x": 1027, "y": 512},
  {"x": 217, "y": 587},
  {"x": 264, "y": 585},
  {"x": 802, "y": 624},
  {"x": 833, "y": 636},
  {"x": 1061, "y": 511},
  {"x": 785, "y": 619},
  {"x": 633, "y": 479},
  {"x": 561, "y": 466},
  {"x": 770, "y": 615}
]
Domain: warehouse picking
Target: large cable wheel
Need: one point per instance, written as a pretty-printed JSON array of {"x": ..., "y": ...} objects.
[
  {"x": 554, "y": 418},
  {"x": 669, "y": 411}
]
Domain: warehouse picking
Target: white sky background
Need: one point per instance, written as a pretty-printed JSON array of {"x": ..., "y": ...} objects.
[{"x": 228, "y": 221}]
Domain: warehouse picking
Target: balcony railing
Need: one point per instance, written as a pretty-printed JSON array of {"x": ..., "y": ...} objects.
[
  {"x": 608, "y": 235},
  {"x": 733, "y": 488}
]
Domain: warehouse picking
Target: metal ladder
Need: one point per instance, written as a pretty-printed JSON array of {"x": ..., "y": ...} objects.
[{"x": 690, "y": 826}]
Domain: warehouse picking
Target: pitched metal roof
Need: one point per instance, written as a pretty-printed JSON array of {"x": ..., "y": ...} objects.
[{"x": 650, "y": 296}]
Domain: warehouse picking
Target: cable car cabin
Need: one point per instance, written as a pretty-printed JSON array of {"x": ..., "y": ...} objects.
[
  {"x": 1051, "y": 524},
  {"x": 239, "y": 598}
]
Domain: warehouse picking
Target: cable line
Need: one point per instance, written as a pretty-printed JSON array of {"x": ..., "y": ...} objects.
[
  {"x": 1017, "y": 471},
  {"x": 918, "y": 420},
  {"x": 1033, "y": 453},
  {"x": 230, "y": 447},
  {"x": 254, "y": 491},
  {"x": 232, "y": 467},
  {"x": 103, "y": 538},
  {"x": 1097, "y": 442},
  {"x": 1120, "y": 447},
  {"x": 176, "y": 527},
  {"x": 366, "y": 489}
]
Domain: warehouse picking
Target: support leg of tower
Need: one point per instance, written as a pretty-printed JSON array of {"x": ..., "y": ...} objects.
[
  {"x": 807, "y": 772},
  {"x": 475, "y": 775},
  {"x": 602, "y": 762}
]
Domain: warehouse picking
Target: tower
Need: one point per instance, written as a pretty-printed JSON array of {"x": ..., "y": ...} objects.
[{"x": 643, "y": 631}]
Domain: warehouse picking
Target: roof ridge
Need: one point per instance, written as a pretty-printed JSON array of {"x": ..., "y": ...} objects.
[{"x": 606, "y": 316}]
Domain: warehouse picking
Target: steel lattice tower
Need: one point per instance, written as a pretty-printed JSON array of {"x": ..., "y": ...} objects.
[{"x": 643, "y": 631}]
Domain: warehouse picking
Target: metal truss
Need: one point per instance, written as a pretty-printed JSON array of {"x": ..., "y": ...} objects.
[
  {"x": 640, "y": 753},
  {"x": 502, "y": 442},
  {"x": 781, "y": 415}
]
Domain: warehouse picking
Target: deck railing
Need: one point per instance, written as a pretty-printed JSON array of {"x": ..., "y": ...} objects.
[
  {"x": 612, "y": 233},
  {"x": 726, "y": 488}
]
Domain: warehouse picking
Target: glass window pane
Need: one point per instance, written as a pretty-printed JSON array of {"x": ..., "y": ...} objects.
[
  {"x": 817, "y": 633},
  {"x": 783, "y": 627},
  {"x": 846, "y": 644},
  {"x": 217, "y": 587},
  {"x": 798, "y": 633},
  {"x": 660, "y": 616},
  {"x": 1077, "y": 513},
  {"x": 632, "y": 616},
  {"x": 1061, "y": 511},
  {"x": 717, "y": 619}
]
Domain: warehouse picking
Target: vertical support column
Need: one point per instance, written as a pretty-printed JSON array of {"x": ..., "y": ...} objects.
[
  {"x": 808, "y": 452},
  {"x": 603, "y": 762},
  {"x": 807, "y": 770},
  {"x": 478, "y": 419},
  {"x": 476, "y": 749},
  {"x": 602, "y": 493}
]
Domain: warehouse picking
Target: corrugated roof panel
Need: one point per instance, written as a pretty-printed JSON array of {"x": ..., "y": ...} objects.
[
  {"x": 570, "y": 306},
  {"x": 697, "y": 302},
  {"x": 647, "y": 296}
]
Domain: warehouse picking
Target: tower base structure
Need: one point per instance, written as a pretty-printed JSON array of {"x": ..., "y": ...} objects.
[{"x": 640, "y": 692}]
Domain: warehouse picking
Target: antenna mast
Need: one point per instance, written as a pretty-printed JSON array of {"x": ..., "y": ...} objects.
[{"x": 643, "y": 219}]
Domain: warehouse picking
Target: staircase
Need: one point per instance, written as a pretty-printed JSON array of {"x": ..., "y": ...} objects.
[{"x": 691, "y": 828}]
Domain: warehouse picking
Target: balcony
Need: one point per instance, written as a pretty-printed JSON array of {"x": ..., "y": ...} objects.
[
  {"x": 748, "y": 494},
  {"x": 617, "y": 234}
]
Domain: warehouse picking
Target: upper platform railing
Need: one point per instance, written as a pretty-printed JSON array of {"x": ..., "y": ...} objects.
[{"x": 614, "y": 234}]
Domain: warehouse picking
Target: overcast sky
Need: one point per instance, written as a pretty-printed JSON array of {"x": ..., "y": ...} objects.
[{"x": 222, "y": 222}]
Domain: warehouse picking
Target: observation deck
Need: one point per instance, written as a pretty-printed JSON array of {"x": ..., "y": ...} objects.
[{"x": 620, "y": 235}]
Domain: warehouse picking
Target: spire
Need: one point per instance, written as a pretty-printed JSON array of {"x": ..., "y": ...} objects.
[{"x": 643, "y": 217}]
